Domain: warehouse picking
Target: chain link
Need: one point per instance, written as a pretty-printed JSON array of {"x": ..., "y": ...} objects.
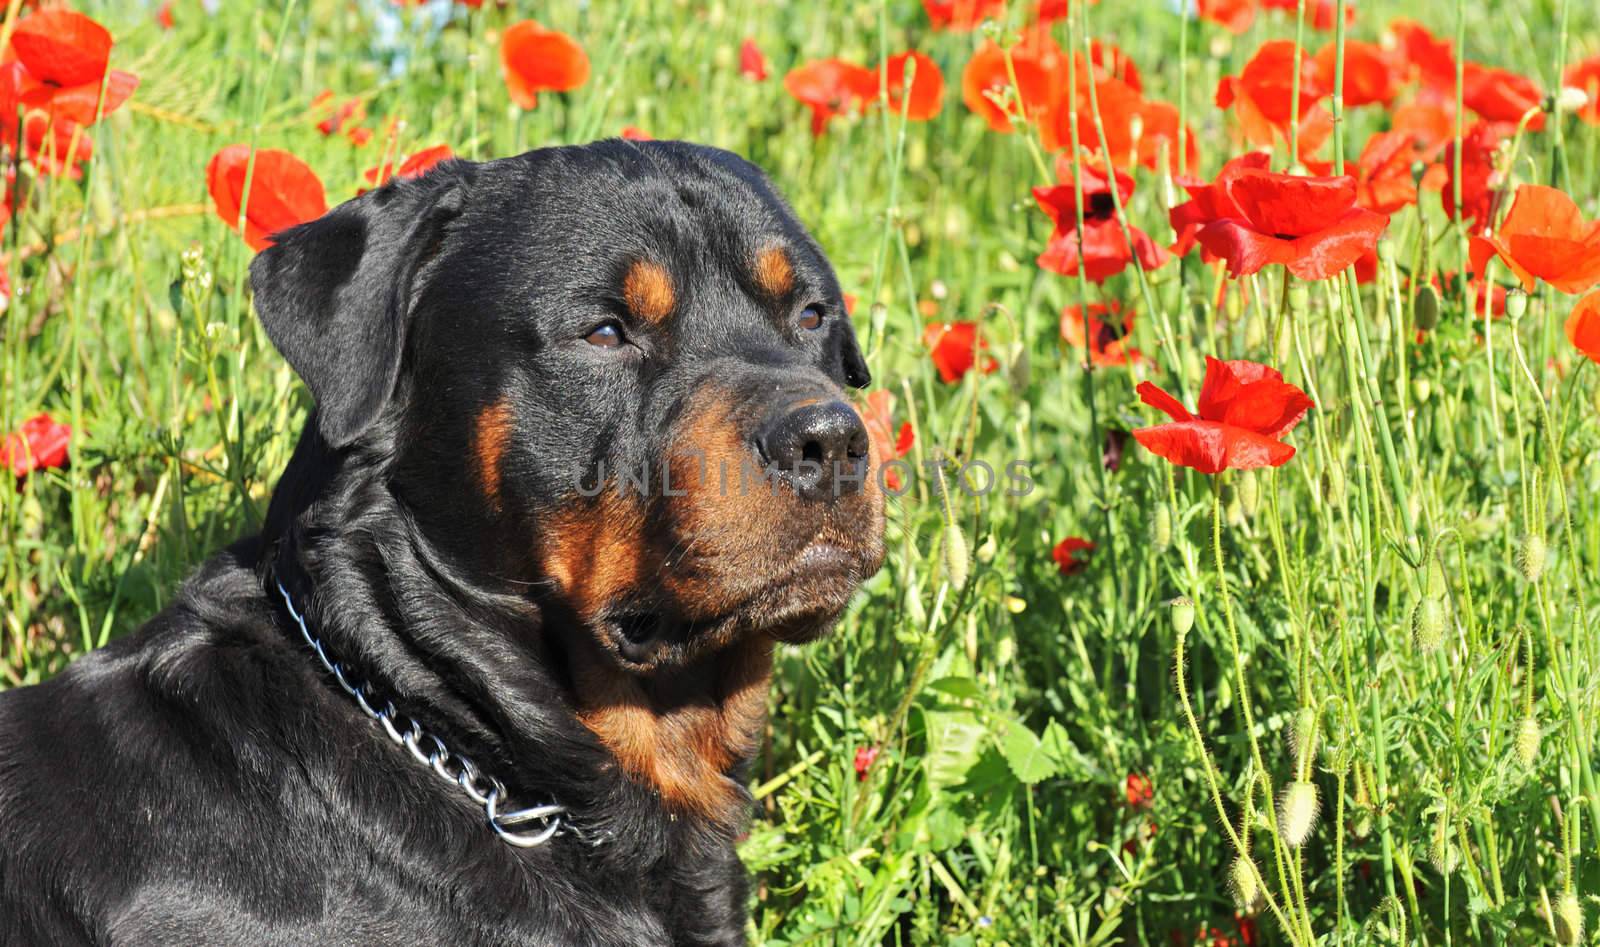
[{"x": 483, "y": 790}]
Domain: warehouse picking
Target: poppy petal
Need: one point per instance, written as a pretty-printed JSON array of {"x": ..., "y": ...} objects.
[
  {"x": 1324, "y": 254},
  {"x": 1246, "y": 250},
  {"x": 1583, "y": 326},
  {"x": 1156, "y": 398},
  {"x": 1212, "y": 447}
]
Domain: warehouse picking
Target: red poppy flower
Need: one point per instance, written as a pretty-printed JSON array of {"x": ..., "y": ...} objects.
[
  {"x": 39, "y": 445},
  {"x": 1108, "y": 333},
  {"x": 1105, "y": 251},
  {"x": 962, "y": 16},
  {"x": 58, "y": 147},
  {"x": 1121, "y": 117},
  {"x": 164, "y": 16},
  {"x": 1384, "y": 179},
  {"x": 534, "y": 59},
  {"x": 635, "y": 133},
  {"x": 1066, "y": 554},
  {"x": 1431, "y": 125},
  {"x": 926, "y": 96},
  {"x": 1245, "y": 410},
  {"x": 1498, "y": 95},
  {"x": 284, "y": 191},
  {"x": 752, "y": 64},
  {"x": 1209, "y": 202},
  {"x": 1586, "y": 76},
  {"x": 1480, "y": 180},
  {"x": 413, "y": 166},
  {"x": 1110, "y": 61},
  {"x": 1544, "y": 237},
  {"x": 1430, "y": 59},
  {"x": 878, "y": 416},
  {"x": 1583, "y": 326},
  {"x": 1324, "y": 15},
  {"x": 1493, "y": 300},
  {"x": 1262, "y": 98},
  {"x": 65, "y": 55},
  {"x": 831, "y": 87},
  {"x": 954, "y": 347},
  {"x": 865, "y": 757},
  {"x": 1370, "y": 74},
  {"x": 1235, "y": 16},
  {"x": 1309, "y": 224},
  {"x": 1138, "y": 791},
  {"x": 336, "y": 116},
  {"x": 1039, "y": 86}
]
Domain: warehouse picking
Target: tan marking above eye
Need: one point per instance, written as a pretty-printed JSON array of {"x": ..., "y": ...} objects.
[
  {"x": 648, "y": 291},
  {"x": 774, "y": 272}
]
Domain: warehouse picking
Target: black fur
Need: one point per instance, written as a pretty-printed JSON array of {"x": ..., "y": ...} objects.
[{"x": 204, "y": 781}]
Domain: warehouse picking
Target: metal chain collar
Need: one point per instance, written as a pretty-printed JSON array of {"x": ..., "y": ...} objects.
[{"x": 482, "y": 789}]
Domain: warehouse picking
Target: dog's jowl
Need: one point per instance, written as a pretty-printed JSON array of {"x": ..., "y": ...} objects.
[{"x": 581, "y": 456}]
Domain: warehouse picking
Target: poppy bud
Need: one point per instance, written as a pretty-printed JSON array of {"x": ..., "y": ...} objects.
[
  {"x": 1015, "y": 605},
  {"x": 1303, "y": 734},
  {"x": 1182, "y": 614},
  {"x": 1566, "y": 916},
  {"x": 1242, "y": 879},
  {"x": 1427, "y": 623},
  {"x": 1418, "y": 169},
  {"x": 1516, "y": 304},
  {"x": 1335, "y": 483},
  {"x": 1161, "y": 528},
  {"x": 957, "y": 564},
  {"x": 1426, "y": 311},
  {"x": 1299, "y": 298},
  {"x": 987, "y": 549},
  {"x": 1528, "y": 734},
  {"x": 1248, "y": 491},
  {"x": 880, "y": 318},
  {"x": 1421, "y": 389},
  {"x": 1530, "y": 557},
  {"x": 1297, "y": 812},
  {"x": 1441, "y": 847},
  {"x": 1255, "y": 331}
]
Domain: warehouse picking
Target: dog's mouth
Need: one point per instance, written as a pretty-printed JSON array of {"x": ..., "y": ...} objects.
[{"x": 797, "y": 605}]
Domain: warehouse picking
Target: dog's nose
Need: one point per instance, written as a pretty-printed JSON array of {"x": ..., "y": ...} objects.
[{"x": 820, "y": 448}]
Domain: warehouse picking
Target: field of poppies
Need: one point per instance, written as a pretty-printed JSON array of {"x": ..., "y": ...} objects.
[{"x": 1282, "y": 310}]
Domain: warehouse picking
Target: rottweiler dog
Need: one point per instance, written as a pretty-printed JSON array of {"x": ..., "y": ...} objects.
[{"x": 492, "y": 673}]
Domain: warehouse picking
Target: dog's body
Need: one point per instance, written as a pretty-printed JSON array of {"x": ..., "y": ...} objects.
[{"x": 488, "y": 346}]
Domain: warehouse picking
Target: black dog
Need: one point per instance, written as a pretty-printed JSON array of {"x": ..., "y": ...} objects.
[{"x": 520, "y": 524}]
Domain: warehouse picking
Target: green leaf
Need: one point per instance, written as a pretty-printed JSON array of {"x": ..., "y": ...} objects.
[{"x": 1026, "y": 754}]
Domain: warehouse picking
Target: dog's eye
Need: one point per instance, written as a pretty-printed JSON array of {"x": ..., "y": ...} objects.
[
  {"x": 606, "y": 335},
  {"x": 811, "y": 318}
]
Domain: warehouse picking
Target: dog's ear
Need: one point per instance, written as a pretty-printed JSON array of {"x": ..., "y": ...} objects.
[{"x": 335, "y": 294}]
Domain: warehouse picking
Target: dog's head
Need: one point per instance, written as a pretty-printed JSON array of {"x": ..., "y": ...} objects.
[{"x": 611, "y": 375}]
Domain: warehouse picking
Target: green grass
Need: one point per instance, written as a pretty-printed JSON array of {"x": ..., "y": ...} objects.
[{"x": 1010, "y": 709}]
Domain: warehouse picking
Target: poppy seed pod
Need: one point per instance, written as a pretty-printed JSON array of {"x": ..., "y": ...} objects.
[
  {"x": 1161, "y": 528},
  {"x": 1246, "y": 890},
  {"x": 1527, "y": 742},
  {"x": 1182, "y": 614},
  {"x": 1247, "y": 491},
  {"x": 1426, "y": 314},
  {"x": 1299, "y": 299},
  {"x": 1516, "y": 304},
  {"x": 1297, "y": 812},
  {"x": 1427, "y": 623},
  {"x": 1566, "y": 916},
  {"x": 1530, "y": 557}
]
